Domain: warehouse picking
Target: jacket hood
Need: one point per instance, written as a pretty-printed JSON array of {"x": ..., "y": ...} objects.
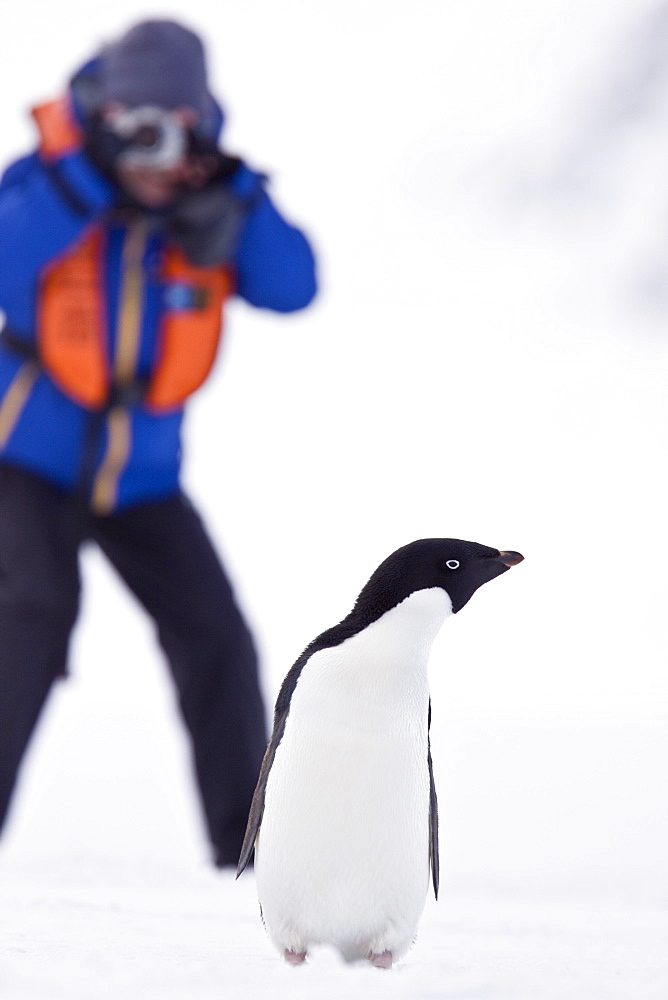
[{"x": 85, "y": 93}]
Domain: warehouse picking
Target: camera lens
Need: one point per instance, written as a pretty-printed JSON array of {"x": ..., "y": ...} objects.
[
  {"x": 147, "y": 137},
  {"x": 153, "y": 138}
]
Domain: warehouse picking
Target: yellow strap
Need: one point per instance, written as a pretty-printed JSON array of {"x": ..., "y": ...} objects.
[
  {"x": 16, "y": 398},
  {"x": 105, "y": 488},
  {"x": 129, "y": 319}
]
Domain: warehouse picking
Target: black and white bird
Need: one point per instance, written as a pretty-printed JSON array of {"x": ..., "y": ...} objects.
[{"x": 344, "y": 819}]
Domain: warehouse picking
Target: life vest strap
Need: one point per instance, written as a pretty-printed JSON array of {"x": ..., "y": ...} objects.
[
  {"x": 17, "y": 345},
  {"x": 130, "y": 394}
]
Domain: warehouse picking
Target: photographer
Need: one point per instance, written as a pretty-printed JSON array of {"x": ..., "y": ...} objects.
[{"x": 120, "y": 240}]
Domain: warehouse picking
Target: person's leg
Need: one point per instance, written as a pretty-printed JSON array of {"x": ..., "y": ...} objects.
[
  {"x": 39, "y": 592},
  {"x": 163, "y": 553}
]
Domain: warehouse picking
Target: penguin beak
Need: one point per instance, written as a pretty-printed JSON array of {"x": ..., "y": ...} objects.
[{"x": 510, "y": 558}]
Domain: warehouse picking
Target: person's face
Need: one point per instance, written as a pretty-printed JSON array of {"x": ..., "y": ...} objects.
[
  {"x": 151, "y": 188},
  {"x": 157, "y": 188}
]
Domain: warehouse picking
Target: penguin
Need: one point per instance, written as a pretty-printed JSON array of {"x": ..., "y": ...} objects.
[{"x": 344, "y": 819}]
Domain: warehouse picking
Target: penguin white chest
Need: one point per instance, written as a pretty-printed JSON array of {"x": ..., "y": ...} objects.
[{"x": 343, "y": 852}]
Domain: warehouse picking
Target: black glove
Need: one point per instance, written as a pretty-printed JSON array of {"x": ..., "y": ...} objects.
[
  {"x": 206, "y": 224},
  {"x": 223, "y": 166}
]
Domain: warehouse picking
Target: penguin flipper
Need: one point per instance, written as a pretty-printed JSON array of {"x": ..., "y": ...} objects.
[
  {"x": 433, "y": 818},
  {"x": 257, "y": 805},
  {"x": 281, "y": 711},
  {"x": 433, "y": 827}
]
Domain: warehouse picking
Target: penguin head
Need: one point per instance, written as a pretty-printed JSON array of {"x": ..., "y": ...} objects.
[{"x": 458, "y": 567}]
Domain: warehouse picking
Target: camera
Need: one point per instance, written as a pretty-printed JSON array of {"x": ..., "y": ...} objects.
[{"x": 149, "y": 137}]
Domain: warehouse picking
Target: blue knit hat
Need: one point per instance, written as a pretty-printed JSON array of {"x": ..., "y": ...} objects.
[{"x": 159, "y": 63}]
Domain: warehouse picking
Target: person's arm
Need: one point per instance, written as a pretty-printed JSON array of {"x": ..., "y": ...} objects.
[
  {"x": 44, "y": 208},
  {"x": 275, "y": 266}
]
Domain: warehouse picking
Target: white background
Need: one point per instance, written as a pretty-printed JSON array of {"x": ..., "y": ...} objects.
[{"x": 485, "y": 186}]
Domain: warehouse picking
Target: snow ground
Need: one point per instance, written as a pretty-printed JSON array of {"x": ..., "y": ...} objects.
[
  {"x": 196, "y": 935},
  {"x": 553, "y": 866}
]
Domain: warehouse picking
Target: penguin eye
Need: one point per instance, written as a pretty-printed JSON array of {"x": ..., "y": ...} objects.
[{"x": 452, "y": 564}]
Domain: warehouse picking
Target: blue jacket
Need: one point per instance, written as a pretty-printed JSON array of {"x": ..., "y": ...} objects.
[{"x": 45, "y": 209}]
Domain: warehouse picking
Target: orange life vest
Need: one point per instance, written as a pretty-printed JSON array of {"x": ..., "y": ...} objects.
[{"x": 72, "y": 334}]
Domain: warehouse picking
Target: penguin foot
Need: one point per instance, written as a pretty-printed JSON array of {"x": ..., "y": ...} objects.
[
  {"x": 382, "y": 960},
  {"x": 294, "y": 957}
]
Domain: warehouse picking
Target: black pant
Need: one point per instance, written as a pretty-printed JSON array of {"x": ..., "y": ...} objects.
[{"x": 163, "y": 553}]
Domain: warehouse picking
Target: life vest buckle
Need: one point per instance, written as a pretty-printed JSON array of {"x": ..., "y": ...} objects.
[{"x": 128, "y": 395}]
